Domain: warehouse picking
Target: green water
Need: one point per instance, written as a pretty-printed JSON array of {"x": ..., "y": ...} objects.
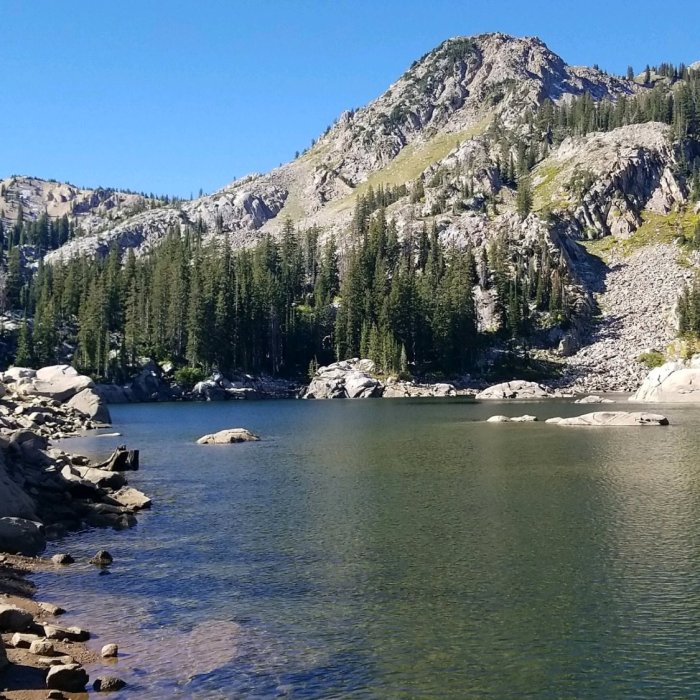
[{"x": 400, "y": 549}]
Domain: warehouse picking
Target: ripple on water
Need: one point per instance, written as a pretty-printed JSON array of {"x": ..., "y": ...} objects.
[{"x": 400, "y": 549}]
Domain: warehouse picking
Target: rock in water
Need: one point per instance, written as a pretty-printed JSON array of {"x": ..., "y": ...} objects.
[
  {"x": 64, "y": 559},
  {"x": 107, "y": 684},
  {"x": 109, "y": 651},
  {"x": 515, "y": 390},
  {"x": 514, "y": 419},
  {"x": 612, "y": 419},
  {"x": 227, "y": 437},
  {"x": 71, "y": 677},
  {"x": 102, "y": 558}
]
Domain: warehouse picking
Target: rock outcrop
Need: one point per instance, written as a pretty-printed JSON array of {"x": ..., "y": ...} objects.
[
  {"x": 673, "y": 382},
  {"x": 347, "y": 379},
  {"x": 517, "y": 389},
  {"x": 56, "y": 383},
  {"x": 611, "y": 419},
  {"x": 46, "y": 488}
]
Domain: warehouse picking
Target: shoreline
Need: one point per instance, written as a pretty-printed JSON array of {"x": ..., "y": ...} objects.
[
  {"x": 45, "y": 493},
  {"x": 24, "y": 678}
]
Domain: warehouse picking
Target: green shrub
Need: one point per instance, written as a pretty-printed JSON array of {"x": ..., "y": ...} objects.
[
  {"x": 187, "y": 377},
  {"x": 651, "y": 359}
]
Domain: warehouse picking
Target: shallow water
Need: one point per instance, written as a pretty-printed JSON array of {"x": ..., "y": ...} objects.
[{"x": 399, "y": 549}]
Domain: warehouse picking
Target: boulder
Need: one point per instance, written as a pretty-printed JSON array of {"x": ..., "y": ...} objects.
[
  {"x": 514, "y": 419},
  {"x": 113, "y": 393},
  {"x": 673, "y": 382},
  {"x": 14, "y": 374},
  {"x": 57, "y": 385},
  {"x": 611, "y": 419},
  {"x": 130, "y": 498},
  {"x": 360, "y": 386},
  {"x": 23, "y": 640},
  {"x": 345, "y": 379},
  {"x": 14, "y": 619},
  {"x": 42, "y": 647},
  {"x": 98, "y": 477},
  {"x": 72, "y": 634},
  {"x": 227, "y": 437},
  {"x": 593, "y": 399},
  {"x": 62, "y": 559},
  {"x": 102, "y": 558},
  {"x": 515, "y": 390},
  {"x": 109, "y": 651},
  {"x": 69, "y": 677},
  {"x": 53, "y": 372},
  {"x": 107, "y": 684},
  {"x": 90, "y": 404},
  {"x": 20, "y": 536}
]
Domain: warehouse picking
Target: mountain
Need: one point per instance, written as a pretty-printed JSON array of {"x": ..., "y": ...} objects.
[{"x": 496, "y": 142}]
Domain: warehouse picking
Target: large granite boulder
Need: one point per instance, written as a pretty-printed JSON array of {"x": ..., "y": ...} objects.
[
  {"x": 611, "y": 419},
  {"x": 59, "y": 382},
  {"x": 348, "y": 379},
  {"x": 21, "y": 536},
  {"x": 673, "y": 382},
  {"x": 90, "y": 404},
  {"x": 228, "y": 437},
  {"x": 517, "y": 389}
]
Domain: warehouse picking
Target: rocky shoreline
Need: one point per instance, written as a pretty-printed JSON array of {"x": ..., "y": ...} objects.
[{"x": 46, "y": 492}]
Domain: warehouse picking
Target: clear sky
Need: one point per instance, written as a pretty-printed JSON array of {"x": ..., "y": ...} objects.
[{"x": 170, "y": 97}]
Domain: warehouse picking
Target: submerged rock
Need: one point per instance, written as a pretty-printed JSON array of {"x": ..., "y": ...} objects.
[
  {"x": 227, "y": 437},
  {"x": 612, "y": 418}
]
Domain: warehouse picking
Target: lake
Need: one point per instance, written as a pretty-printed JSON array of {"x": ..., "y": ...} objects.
[{"x": 398, "y": 549}]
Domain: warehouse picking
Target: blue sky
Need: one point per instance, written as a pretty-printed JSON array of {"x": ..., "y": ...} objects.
[{"x": 171, "y": 97}]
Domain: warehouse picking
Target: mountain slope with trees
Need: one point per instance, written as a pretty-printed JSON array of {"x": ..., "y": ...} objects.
[{"x": 449, "y": 226}]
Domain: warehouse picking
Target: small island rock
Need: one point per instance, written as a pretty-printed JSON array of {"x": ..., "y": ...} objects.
[
  {"x": 611, "y": 418},
  {"x": 109, "y": 651},
  {"x": 227, "y": 437},
  {"x": 515, "y": 390}
]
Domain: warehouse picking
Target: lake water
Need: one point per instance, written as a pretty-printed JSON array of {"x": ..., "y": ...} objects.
[{"x": 398, "y": 549}]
